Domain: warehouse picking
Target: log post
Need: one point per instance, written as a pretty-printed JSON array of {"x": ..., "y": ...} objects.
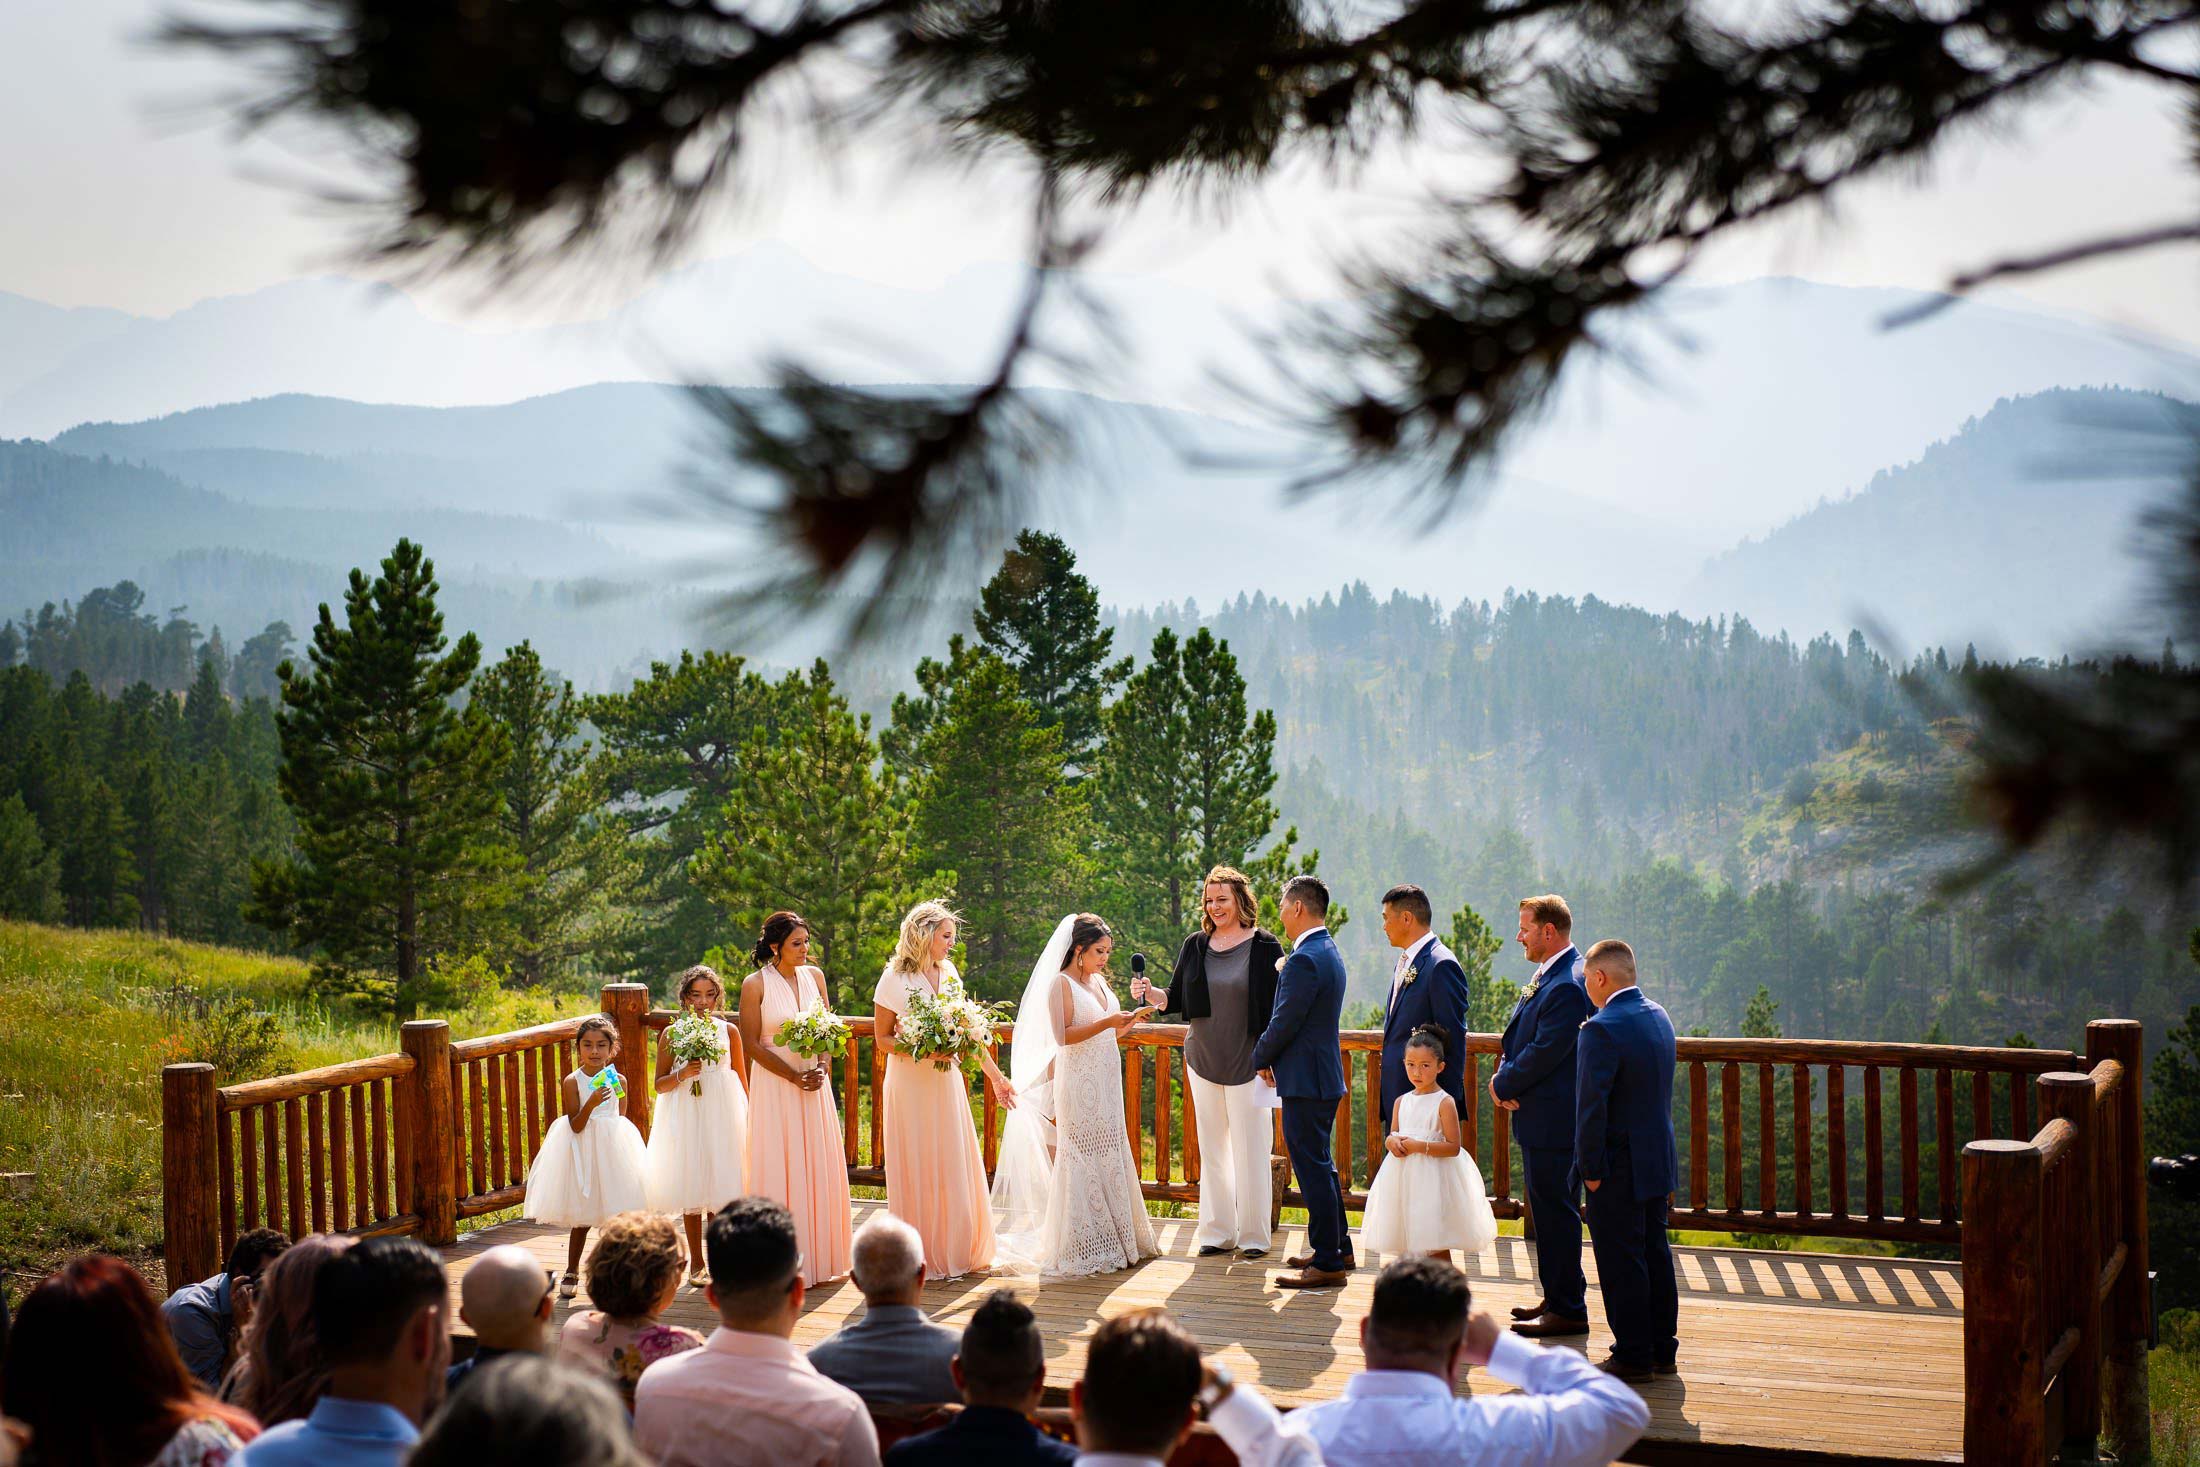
[
  {"x": 190, "y": 1140},
  {"x": 2004, "y": 1418},
  {"x": 2126, "y": 1322},
  {"x": 435, "y": 1130},
  {"x": 628, "y": 1006},
  {"x": 2077, "y": 1235}
]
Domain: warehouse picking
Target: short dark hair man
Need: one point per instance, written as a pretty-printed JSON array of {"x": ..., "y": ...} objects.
[
  {"x": 1001, "y": 1370},
  {"x": 1140, "y": 1389},
  {"x": 207, "y": 1318},
  {"x": 1428, "y": 986},
  {"x": 379, "y": 1311},
  {"x": 1297, "y": 1053},
  {"x": 1419, "y": 1334}
]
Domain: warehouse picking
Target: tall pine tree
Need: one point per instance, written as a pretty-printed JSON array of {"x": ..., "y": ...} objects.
[
  {"x": 30, "y": 875},
  {"x": 1490, "y": 998},
  {"x": 396, "y": 791},
  {"x": 1042, "y": 618},
  {"x": 546, "y": 814},
  {"x": 995, "y": 808},
  {"x": 810, "y": 821}
]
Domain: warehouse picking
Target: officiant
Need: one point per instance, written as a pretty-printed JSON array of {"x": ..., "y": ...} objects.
[{"x": 1224, "y": 987}]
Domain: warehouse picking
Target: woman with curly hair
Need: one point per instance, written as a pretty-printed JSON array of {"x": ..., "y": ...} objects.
[
  {"x": 633, "y": 1276},
  {"x": 280, "y": 1373}
]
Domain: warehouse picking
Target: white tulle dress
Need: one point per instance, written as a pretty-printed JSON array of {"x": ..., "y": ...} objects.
[
  {"x": 1422, "y": 1203},
  {"x": 699, "y": 1144},
  {"x": 580, "y": 1179}
]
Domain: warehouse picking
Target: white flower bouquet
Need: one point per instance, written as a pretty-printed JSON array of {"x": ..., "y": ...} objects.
[
  {"x": 694, "y": 1040},
  {"x": 815, "y": 1033},
  {"x": 953, "y": 1025}
]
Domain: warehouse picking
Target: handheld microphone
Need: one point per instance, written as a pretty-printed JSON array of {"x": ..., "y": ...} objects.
[{"x": 1138, "y": 965}]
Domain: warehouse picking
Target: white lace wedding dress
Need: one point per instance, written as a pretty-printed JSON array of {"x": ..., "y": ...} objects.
[{"x": 1066, "y": 1188}]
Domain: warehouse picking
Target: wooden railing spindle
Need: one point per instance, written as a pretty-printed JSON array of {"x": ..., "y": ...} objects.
[
  {"x": 1837, "y": 1141},
  {"x": 1699, "y": 1137},
  {"x": 339, "y": 1158},
  {"x": 1730, "y": 1127},
  {"x": 491, "y": 1119},
  {"x": 477, "y": 1127},
  {"x": 1982, "y": 1105},
  {"x": 1372, "y": 1115},
  {"x": 317, "y": 1154},
  {"x": 1799, "y": 1087},
  {"x": 1134, "y": 1074},
  {"x": 271, "y": 1158},
  {"x": 1163, "y": 1107},
  {"x": 379, "y": 1124},
  {"x": 515, "y": 1152},
  {"x": 1944, "y": 1128},
  {"x": 1908, "y": 1094},
  {"x": 226, "y": 1152},
  {"x": 1768, "y": 1144},
  {"x": 248, "y": 1168},
  {"x": 294, "y": 1167},
  {"x": 362, "y": 1160},
  {"x": 1875, "y": 1149}
]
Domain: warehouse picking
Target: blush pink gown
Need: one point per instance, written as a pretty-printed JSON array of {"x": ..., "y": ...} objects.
[
  {"x": 795, "y": 1148},
  {"x": 935, "y": 1177}
]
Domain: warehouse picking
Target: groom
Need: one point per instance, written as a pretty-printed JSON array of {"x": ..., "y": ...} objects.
[{"x": 1297, "y": 1053}]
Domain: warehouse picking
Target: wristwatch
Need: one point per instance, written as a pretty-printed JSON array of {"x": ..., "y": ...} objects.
[{"x": 1217, "y": 1389}]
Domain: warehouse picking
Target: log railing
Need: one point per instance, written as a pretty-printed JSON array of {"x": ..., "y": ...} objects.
[
  {"x": 1809, "y": 1137},
  {"x": 2055, "y": 1296}
]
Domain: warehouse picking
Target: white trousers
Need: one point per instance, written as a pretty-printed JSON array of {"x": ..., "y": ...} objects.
[{"x": 1236, "y": 1133}]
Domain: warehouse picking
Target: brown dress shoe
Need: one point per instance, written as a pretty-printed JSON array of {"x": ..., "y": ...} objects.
[
  {"x": 1299, "y": 1260},
  {"x": 1315, "y": 1278},
  {"x": 1527, "y": 1311},
  {"x": 1545, "y": 1326},
  {"x": 1632, "y": 1372}
]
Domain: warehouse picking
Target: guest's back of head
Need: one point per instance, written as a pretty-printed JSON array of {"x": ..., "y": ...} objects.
[
  {"x": 1418, "y": 1316},
  {"x": 364, "y": 1299},
  {"x": 1002, "y": 1361},
  {"x": 505, "y": 1298},
  {"x": 525, "y": 1411},
  {"x": 92, "y": 1370},
  {"x": 281, "y": 1372},
  {"x": 755, "y": 1261},
  {"x": 1142, "y": 1376},
  {"x": 635, "y": 1266},
  {"x": 888, "y": 1260}
]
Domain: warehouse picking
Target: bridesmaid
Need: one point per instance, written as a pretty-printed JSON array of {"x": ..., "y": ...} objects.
[
  {"x": 795, "y": 1149},
  {"x": 935, "y": 1178}
]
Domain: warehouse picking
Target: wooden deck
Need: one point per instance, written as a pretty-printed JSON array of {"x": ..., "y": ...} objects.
[{"x": 1784, "y": 1356}]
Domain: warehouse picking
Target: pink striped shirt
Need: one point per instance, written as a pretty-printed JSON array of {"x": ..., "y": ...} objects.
[{"x": 749, "y": 1398}]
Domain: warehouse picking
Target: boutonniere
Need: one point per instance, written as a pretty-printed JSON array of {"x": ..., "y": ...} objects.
[
  {"x": 1530, "y": 990},
  {"x": 1281, "y": 961}
]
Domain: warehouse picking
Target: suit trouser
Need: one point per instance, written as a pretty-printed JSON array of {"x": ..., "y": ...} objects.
[
  {"x": 1306, "y": 1131},
  {"x": 1642, "y": 1301},
  {"x": 1552, "y": 1191},
  {"x": 1235, "y": 1138}
]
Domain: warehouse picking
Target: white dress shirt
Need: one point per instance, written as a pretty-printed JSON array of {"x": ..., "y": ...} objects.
[
  {"x": 1571, "y": 1415},
  {"x": 1306, "y": 937},
  {"x": 1405, "y": 961},
  {"x": 1552, "y": 961}
]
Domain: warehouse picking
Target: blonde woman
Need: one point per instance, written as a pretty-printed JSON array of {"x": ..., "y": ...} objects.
[
  {"x": 1224, "y": 985},
  {"x": 935, "y": 1178}
]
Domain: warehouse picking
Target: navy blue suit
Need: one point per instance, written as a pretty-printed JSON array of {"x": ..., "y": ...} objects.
[
  {"x": 1300, "y": 1047},
  {"x": 1538, "y": 1071},
  {"x": 1624, "y": 1143},
  {"x": 1435, "y": 992},
  {"x": 983, "y": 1436}
]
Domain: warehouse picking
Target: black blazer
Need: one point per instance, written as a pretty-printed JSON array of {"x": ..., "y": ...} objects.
[{"x": 1187, "y": 993}]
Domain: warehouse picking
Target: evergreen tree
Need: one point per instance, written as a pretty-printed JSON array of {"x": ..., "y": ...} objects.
[
  {"x": 253, "y": 674},
  {"x": 395, "y": 787},
  {"x": 670, "y": 757},
  {"x": 546, "y": 814},
  {"x": 905, "y": 742},
  {"x": 98, "y": 878},
  {"x": 30, "y": 875},
  {"x": 1042, "y": 618},
  {"x": 1759, "y": 1020},
  {"x": 811, "y": 822},
  {"x": 1490, "y": 999},
  {"x": 995, "y": 808}
]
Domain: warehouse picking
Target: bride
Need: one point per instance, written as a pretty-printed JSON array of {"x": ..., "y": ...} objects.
[{"x": 1066, "y": 1183}]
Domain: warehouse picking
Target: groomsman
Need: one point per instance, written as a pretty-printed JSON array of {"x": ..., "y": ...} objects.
[
  {"x": 1624, "y": 1148},
  {"x": 1427, "y": 987},
  {"x": 1297, "y": 1053},
  {"x": 1535, "y": 1081}
]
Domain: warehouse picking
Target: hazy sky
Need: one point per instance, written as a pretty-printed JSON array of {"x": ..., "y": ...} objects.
[{"x": 125, "y": 190}]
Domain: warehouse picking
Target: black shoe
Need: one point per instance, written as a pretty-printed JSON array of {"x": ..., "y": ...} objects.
[
  {"x": 1527, "y": 1311},
  {"x": 1249, "y": 1254},
  {"x": 1212, "y": 1250},
  {"x": 1669, "y": 1367},
  {"x": 1626, "y": 1370},
  {"x": 1548, "y": 1326}
]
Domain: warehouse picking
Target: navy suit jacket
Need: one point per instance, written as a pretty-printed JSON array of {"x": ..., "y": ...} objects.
[
  {"x": 1624, "y": 1083},
  {"x": 1538, "y": 1066},
  {"x": 1300, "y": 1042},
  {"x": 983, "y": 1436},
  {"x": 1436, "y": 993}
]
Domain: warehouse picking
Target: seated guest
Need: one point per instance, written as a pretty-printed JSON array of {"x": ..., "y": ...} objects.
[
  {"x": 1401, "y": 1409},
  {"x": 505, "y": 1299},
  {"x": 893, "y": 1355},
  {"x": 748, "y": 1396},
  {"x": 94, "y": 1376},
  {"x": 1143, "y": 1389},
  {"x": 1001, "y": 1369},
  {"x": 279, "y": 1373},
  {"x": 379, "y": 1311},
  {"x": 208, "y": 1318},
  {"x": 633, "y": 1276},
  {"x": 524, "y": 1411}
]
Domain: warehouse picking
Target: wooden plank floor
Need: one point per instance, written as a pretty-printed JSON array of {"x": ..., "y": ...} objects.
[{"x": 1783, "y": 1355}]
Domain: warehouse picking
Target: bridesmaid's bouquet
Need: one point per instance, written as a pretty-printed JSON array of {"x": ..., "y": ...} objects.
[
  {"x": 694, "y": 1040},
  {"x": 815, "y": 1033},
  {"x": 953, "y": 1025}
]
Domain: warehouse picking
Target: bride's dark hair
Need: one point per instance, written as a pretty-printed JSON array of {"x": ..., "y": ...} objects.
[{"x": 1085, "y": 929}]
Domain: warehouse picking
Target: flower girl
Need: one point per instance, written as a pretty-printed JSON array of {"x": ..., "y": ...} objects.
[
  {"x": 699, "y": 1137},
  {"x": 1428, "y": 1197},
  {"x": 592, "y": 1162}
]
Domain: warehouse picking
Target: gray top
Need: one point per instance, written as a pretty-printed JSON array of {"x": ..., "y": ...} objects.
[
  {"x": 892, "y": 1355},
  {"x": 1218, "y": 1046}
]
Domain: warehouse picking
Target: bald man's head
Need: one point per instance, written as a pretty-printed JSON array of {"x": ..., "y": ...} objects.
[{"x": 505, "y": 1298}]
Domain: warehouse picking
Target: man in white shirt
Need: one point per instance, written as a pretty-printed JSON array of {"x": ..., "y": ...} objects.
[
  {"x": 1401, "y": 1410},
  {"x": 1144, "y": 1388}
]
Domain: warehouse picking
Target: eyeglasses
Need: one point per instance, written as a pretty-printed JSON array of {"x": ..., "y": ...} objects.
[{"x": 549, "y": 1285}]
